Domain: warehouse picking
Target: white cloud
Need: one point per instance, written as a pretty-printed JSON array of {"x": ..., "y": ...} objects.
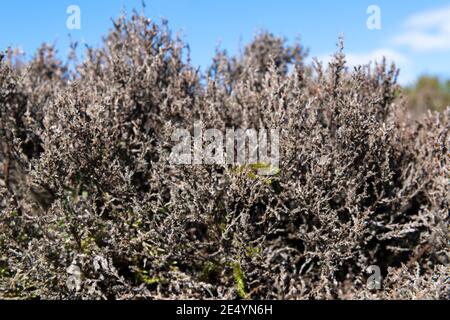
[
  {"x": 426, "y": 31},
  {"x": 355, "y": 59},
  {"x": 430, "y": 19}
]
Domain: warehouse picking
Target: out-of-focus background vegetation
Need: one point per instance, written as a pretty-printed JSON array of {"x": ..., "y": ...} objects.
[{"x": 428, "y": 93}]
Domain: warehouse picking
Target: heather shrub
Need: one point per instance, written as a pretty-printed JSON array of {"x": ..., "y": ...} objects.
[
  {"x": 92, "y": 208},
  {"x": 428, "y": 93}
]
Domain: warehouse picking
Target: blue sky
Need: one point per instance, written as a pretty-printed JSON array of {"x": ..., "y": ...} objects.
[{"x": 416, "y": 34}]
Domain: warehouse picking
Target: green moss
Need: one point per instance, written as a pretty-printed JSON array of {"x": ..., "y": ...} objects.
[
  {"x": 61, "y": 223},
  {"x": 87, "y": 244},
  {"x": 142, "y": 276},
  {"x": 211, "y": 271},
  {"x": 4, "y": 273},
  {"x": 239, "y": 280},
  {"x": 252, "y": 171},
  {"x": 152, "y": 251},
  {"x": 222, "y": 227},
  {"x": 138, "y": 224},
  {"x": 260, "y": 165},
  {"x": 163, "y": 210},
  {"x": 252, "y": 251},
  {"x": 265, "y": 166}
]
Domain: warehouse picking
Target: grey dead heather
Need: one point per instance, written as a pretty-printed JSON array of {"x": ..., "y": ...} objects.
[{"x": 86, "y": 183}]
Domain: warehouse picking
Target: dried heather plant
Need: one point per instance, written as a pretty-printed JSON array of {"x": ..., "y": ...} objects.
[{"x": 92, "y": 208}]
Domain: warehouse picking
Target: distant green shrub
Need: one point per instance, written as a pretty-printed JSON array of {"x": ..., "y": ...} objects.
[{"x": 428, "y": 93}]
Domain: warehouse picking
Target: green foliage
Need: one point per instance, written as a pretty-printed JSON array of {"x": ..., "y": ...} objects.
[
  {"x": 429, "y": 93},
  {"x": 239, "y": 280},
  {"x": 211, "y": 271},
  {"x": 143, "y": 277},
  {"x": 258, "y": 171},
  {"x": 4, "y": 272}
]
